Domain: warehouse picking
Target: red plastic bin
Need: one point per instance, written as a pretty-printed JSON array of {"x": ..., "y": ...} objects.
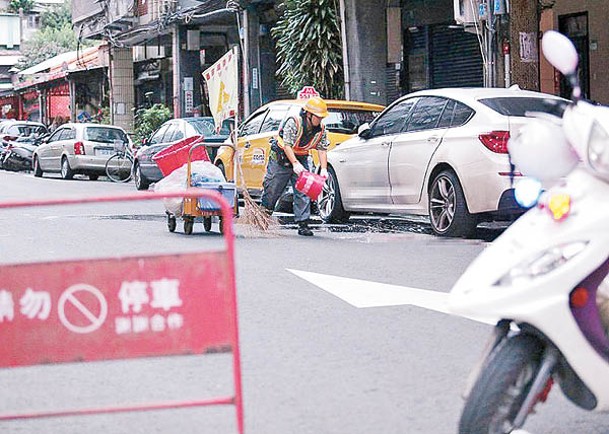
[{"x": 176, "y": 155}]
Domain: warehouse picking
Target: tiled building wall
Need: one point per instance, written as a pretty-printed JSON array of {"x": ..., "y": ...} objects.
[{"x": 122, "y": 90}]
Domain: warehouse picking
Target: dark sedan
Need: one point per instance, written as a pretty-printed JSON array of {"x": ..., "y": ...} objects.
[{"x": 145, "y": 169}]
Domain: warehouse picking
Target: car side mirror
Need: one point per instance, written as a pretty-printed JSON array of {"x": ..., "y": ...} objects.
[{"x": 364, "y": 130}]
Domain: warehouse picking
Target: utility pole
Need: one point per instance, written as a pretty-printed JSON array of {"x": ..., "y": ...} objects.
[{"x": 490, "y": 44}]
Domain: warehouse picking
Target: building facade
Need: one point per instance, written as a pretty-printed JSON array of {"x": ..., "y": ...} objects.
[{"x": 390, "y": 47}]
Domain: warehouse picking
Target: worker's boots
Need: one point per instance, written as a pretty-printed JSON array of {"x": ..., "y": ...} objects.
[{"x": 303, "y": 229}]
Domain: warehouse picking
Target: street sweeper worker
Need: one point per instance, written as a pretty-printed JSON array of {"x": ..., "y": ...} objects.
[{"x": 289, "y": 157}]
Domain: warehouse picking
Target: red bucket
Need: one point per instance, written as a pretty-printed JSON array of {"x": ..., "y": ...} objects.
[
  {"x": 175, "y": 156},
  {"x": 310, "y": 184}
]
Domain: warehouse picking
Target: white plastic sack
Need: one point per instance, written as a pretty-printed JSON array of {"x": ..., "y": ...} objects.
[{"x": 201, "y": 171}]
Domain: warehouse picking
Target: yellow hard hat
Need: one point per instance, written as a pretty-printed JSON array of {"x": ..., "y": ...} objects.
[{"x": 316, "y": 106}]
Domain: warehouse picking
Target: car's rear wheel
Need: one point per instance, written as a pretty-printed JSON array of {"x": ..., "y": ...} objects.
[
  {"x": 330, "y": 203},
  {"x": 37, "y": 170},
  {"x": 141, "y": 183},
  {"x": 448, "y": 209},
  {"x": 66, "y": 170}
]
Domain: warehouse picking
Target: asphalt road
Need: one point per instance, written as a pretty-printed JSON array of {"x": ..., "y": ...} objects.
[{"x": 312, "y": 362}]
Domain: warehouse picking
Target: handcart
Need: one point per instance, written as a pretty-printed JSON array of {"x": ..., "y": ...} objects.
[{"x": 187, "y": 152}]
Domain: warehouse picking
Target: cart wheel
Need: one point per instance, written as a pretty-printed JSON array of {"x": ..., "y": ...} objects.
[
  {"x": 188, "y": 226},
  {"x": 207, "y": 224},
  {"x": 171, "y": 223},
  {"x": 221, "y": 224}
]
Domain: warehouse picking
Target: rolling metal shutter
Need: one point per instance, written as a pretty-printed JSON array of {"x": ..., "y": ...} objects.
[{"x": 455, "y": 58}]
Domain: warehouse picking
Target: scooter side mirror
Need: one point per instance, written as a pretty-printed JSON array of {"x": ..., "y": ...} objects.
[{"x": 560, "y": 52}]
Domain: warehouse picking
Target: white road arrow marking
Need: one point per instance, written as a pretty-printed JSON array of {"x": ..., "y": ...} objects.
[{"x": 364, "y": 293}]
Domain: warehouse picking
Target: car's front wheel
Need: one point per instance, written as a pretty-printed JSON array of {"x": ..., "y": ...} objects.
[
  {"x": 447, "y": 207},
  {"x": 141, "y": 183},
  {"x": 330, "y": 203}
]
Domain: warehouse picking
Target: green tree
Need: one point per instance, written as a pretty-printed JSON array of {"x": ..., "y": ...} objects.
[
  {"x": 46, "y": 43},
  {"x": 55, "y": 36},
  {"x": 15, "y": 5},
  {"x": 57, "y": 16},
  {"x": 148, "y": 120},
  {"x": 307, "y": 38}
]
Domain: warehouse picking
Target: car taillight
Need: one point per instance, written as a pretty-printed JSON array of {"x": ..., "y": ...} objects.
[
  {"x": 79, "y": 148},
  {"x": 495, "y": 141}
]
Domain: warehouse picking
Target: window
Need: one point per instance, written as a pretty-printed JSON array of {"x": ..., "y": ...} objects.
[
  {"x": 56, "y": 135},
  {"x": 426, "y": 114},
  {"x": 68, "y": 134},
  {"x": 447, "y": 115},
  {"x": 461, "y": 115},
  {"x": 25, "y": 130},
  {"x": 347, "y": 121},
  {"x": 158, "y": 136},
  {"x": 177, "y": 135},
  {"x": 519, "y": 106},
  {"x": 170, "y": 133},
  {"x": 455, "y": 114},
  {"x": 252, "y": 125},
  {"x": 204, "y": 126},
  {"x": 392, "y": 121},
  {"x": 104, "y": 135},
  {"x": 273, "y": 119}
]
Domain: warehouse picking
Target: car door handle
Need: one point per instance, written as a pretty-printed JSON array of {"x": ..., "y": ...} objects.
[
  {"x": 247, "y": 145},
  {"x": 433, "y": 139},
  {"x": 386, "y": 144}
]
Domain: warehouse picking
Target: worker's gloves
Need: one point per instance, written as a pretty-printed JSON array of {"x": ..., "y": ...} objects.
[
  {"x": 298, "y": 168},
  {"x": 324, "y": 173}
]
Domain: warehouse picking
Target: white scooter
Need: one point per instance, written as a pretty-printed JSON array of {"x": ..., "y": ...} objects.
[{"x": 544, "y": 280}]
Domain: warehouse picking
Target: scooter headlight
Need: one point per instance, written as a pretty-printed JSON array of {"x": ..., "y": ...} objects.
[
  {"x": 598, "y": 150},
  {"x": 542, "y": 263}
]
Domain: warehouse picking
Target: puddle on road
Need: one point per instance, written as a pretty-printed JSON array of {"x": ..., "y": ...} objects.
[{"x": 486, "y": 232}]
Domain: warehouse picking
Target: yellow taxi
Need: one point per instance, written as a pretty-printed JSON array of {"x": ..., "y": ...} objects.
[{"x": 254, "y": 134}]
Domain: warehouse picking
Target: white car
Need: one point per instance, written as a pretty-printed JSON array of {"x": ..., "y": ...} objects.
[
  {"x": 440, "y": 153},
  {"x": 78, "y": 148}
]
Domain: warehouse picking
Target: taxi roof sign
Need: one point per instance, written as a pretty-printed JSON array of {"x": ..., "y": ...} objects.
[{"x": 307, "y": 92}]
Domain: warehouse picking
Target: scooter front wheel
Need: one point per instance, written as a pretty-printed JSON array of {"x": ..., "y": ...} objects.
[{"x": 501, "y": 388}]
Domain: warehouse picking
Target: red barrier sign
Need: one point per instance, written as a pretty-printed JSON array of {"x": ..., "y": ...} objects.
[
  {"x": 122, "y": 308},
  {"x": 71, "y": 311}
]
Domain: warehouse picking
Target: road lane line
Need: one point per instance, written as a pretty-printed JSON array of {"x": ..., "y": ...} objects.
[{"x": 364, "y": 293}]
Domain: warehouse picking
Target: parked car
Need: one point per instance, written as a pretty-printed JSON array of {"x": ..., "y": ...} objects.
[
  {"x": 254, "y": 134},
  {"x": 78, "y": 148},
  {"x": 18, "y": 153},
  {"x": 440, "y": 152},
  {"x": 11, "y": 130},
  {"x": 145, "y": 169}
]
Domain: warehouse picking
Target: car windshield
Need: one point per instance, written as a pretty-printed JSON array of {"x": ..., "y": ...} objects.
[
  {"x": 347, "y": 121},
  {"x": 26, "y": 130},
  {"x": 520, "y": 106},
  {"x": 206, "y": 127},
  {"x": 105, "y": 135}
]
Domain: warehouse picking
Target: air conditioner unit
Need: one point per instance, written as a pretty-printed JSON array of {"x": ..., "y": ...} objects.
[
  {"x": 166, "y": 7},
  {"x": 466, "y": 11}
]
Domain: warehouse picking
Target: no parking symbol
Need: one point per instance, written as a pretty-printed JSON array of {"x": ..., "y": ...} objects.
[{"x": 82, "y": 308}]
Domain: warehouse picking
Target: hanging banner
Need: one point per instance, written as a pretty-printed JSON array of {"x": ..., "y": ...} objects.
[{"x": 222, "y": 85}]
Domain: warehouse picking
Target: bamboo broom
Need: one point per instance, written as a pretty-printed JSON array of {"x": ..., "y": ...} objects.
[{"x": 253, "y": 214}]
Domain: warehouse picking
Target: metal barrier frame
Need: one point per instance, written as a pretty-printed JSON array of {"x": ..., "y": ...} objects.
[{"x": 227, "y": 217}]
